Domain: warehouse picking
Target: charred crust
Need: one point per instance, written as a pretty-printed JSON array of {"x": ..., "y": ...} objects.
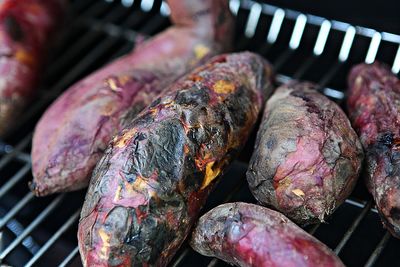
[
  {"x": 132, "y": 113},
  {"x": 13, "y": 28},
  {"x": 155, "y": 102},
  {"x": 310, "y": 104},
  {"x": 235, "y": 104},
  {"x": 192, "y": 97},
  {"x": 300, "y": 94},
  {"x": 386, "y": 139},
  {"x": 395, "y": 213}
]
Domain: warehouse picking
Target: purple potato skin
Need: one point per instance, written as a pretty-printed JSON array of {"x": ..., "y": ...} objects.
[
  {"x": 26, "y": 31},
  {"x": 148, "y": 189},
  {"x": 307, "y": 157},
  {"x": 249, "y": 235},
  {"x": 373, "y": 104},
  {"x": 73, "y": 133}
]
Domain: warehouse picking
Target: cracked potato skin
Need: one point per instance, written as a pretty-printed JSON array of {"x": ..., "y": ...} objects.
[
  {"x": 155, "y": 176},
  {"x": 26, "y": 28},
  {"x": 307, "y": 158},
  {"x": 249, "y": 235},
  {"x": 73, "y": 133},
  {"x": 374, "y": 109}
]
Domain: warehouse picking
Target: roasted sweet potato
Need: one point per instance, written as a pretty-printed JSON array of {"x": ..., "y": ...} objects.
[
  {"x": 250, "y": 235},
  {"x": 26, "y": 28},
  {"x": 373, "y": 103},
  {"x": 307, "y": 158},
  {"x": 155, "y": 176},
  {"x": 72, "y": 135}
]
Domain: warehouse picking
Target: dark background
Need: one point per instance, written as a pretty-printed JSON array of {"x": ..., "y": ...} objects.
[{"x": 382, "y": 15}]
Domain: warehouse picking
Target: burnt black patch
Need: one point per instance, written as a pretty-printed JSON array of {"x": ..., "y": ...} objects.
[
  {"x": 301, "y": 95},
  {"x": 386, "y": 139},
  {"x": 192, "y": 97},
  {"x": 144, "y": 118},
  {"x": 13, "y": 28},
  {"x": 131, "y": 114},
  {"x": 155, "y": 102},
  {"x": 160, "y": 239},
  {"x": 237, "y": 105},
  {"x": 395, "y": 213}
]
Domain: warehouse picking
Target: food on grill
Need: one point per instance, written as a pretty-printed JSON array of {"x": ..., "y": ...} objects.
[
  {"x": 374, "y": 108},
  {"x": 72, "y": 135},
  {"x": 250, "y": 235},
  {"x": 307, "y": 158},
  {"x": 26, "y": 27},
  {"x": 155, "y": 176}
]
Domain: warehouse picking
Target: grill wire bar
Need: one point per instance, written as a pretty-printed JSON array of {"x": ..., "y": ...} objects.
[{"x": 100, "y": 19}]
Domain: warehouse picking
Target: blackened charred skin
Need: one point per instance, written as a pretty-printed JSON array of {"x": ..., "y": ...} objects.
[
  {"x": 249, "y": 235},
  {"x": 161, "y": 168},
  {"x": 307, "y": 158},
  {"x": 373, "y": 97},
  {"x": 387, "y": 139}
]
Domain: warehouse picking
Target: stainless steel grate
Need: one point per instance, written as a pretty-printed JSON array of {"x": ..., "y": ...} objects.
[{"x": 42, "y": 232}]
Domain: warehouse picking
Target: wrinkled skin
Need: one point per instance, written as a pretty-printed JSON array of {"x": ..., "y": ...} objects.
[
  {"x": 307, "y": 158},
  {"x": 72, "y": 135},
  {"x": 249, "y": 235},
  {"x": 26, "y": 28},
  {"x": 374, "y": 109},
  {"x": 155, "y": 176}
]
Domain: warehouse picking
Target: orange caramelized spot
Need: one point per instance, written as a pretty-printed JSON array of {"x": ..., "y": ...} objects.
[
  {"x": 140, "y": 183},
  {"x": 210, "y": 175},
  {"x": 224, "y": 87},
  {"x": 123, "y": 140},
  {"x": 284, "y": 183},
  {"x": 201, "y": 51},
  {"x": 105, "y": 246},
  {"x": 118, "y": 193},
  {"x": 123, "y": 79},
  {"x": 298, "y": 192},
  {"x": 24, "y": 57},
  {"x": 186, "y": 149},
  {"x": 196, "y": 78},
  {"x": 108, "y": 109},
  {"x": 169, "y": 104},
  {"x": 110, "y": 82}
]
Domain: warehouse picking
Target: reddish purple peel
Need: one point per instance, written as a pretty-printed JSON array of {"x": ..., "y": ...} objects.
[
  {"x": 26, "y": 28},
  {"x": 148, "y": 189},
  {"x": 72, "y": 135},
  {"x": 373, "y": 102},
  {"x": 249, "y": 235},
  {"x": 307, "y": 158}
]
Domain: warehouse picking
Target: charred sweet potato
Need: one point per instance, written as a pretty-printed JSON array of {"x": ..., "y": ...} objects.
[
  {"x": 26, "y": 27},
  {"x": 250, "y": 235},
  {"x": 72, "y": 135},
  {"x": 307, "y": 158},
  {"x": 373, "y": 103},
  {"x": 155, "y": 176}
]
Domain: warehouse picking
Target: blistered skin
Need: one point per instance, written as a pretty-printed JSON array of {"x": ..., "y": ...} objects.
[
  {"x": 307, "y": 157},
  {"x": 249, "y": 235},
  {"x": 155, "y": 176},
  {"x": 26, "y": 28},
  {"x": 72, "y": 135},
  {"x": 374, "y": 109}
]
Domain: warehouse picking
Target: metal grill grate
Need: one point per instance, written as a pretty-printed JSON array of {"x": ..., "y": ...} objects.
[{"x": 42, "y": 232}]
